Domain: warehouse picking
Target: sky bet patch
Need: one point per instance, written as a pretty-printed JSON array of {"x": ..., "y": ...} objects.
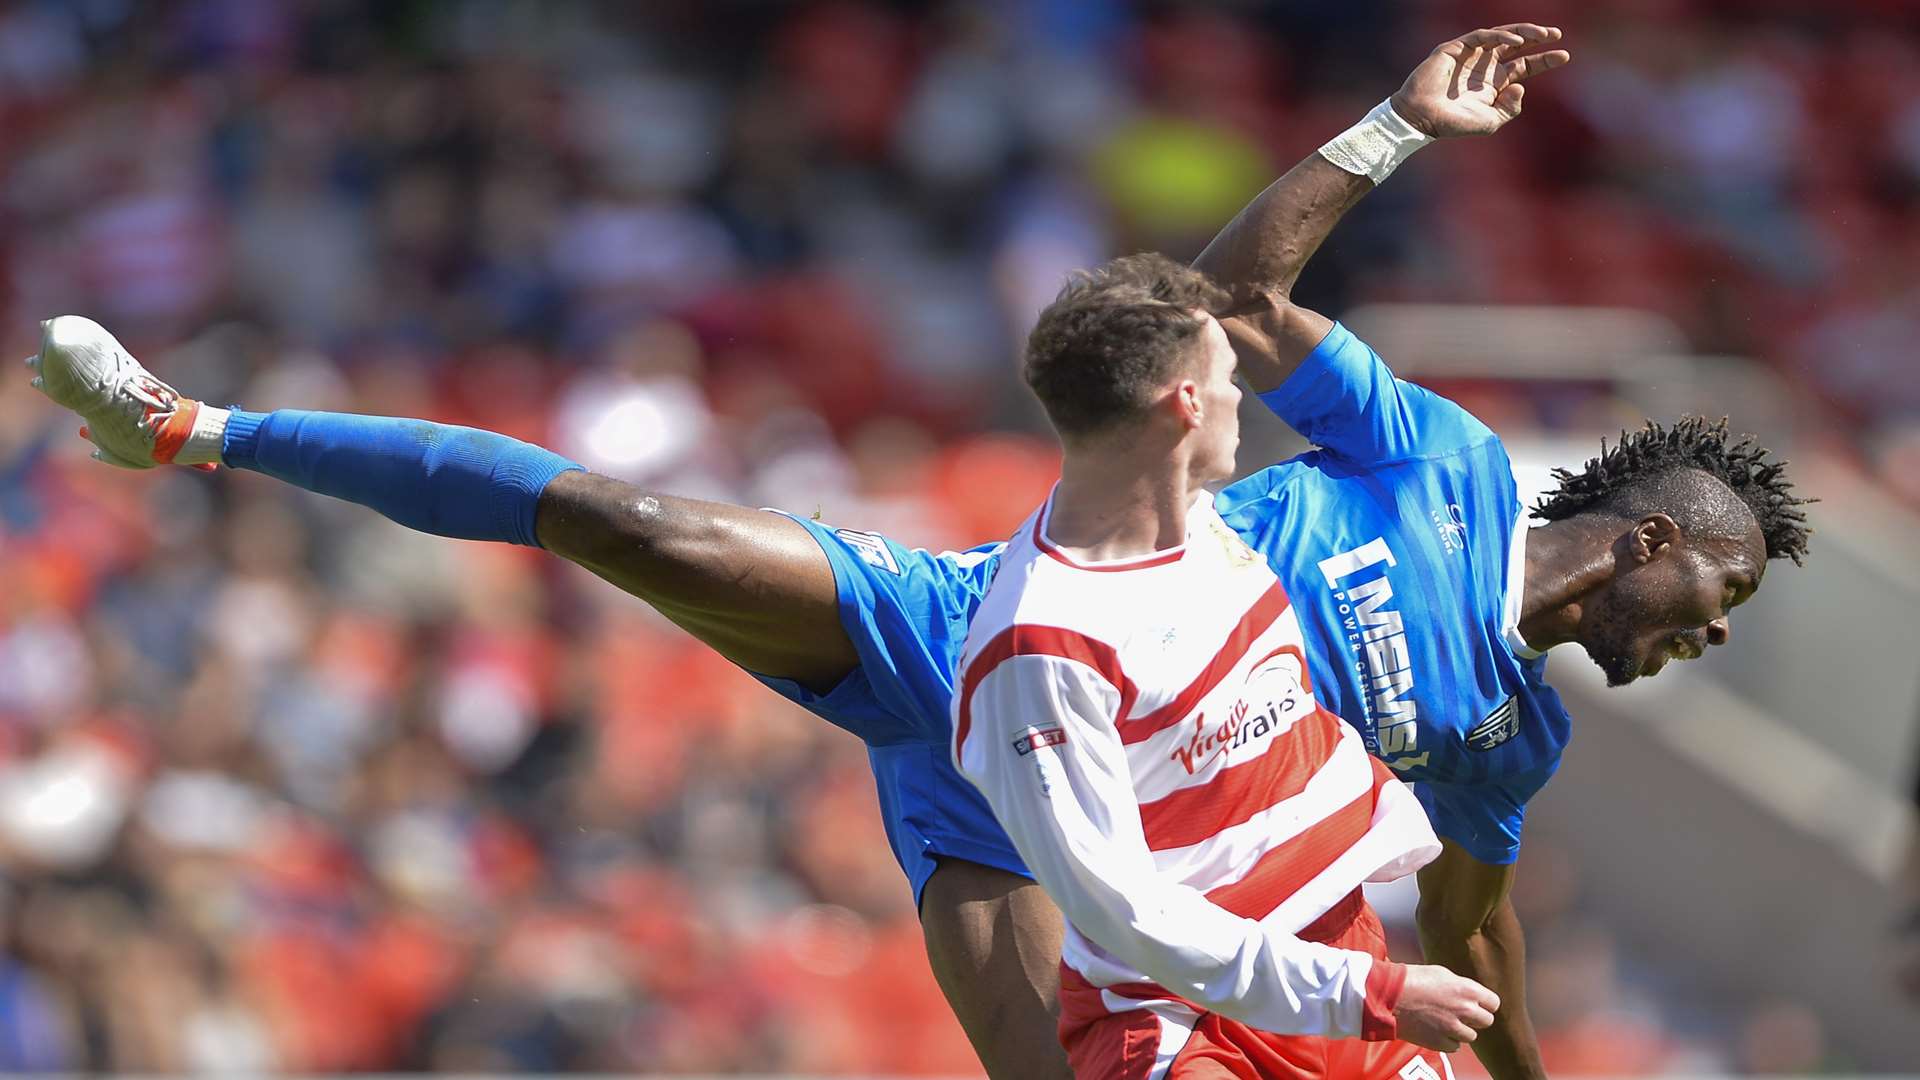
[
  {"x": 1500, "y": 725},
  {"x": 1036, "y": 738}
]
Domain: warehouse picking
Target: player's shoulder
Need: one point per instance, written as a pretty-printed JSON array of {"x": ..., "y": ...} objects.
[
  {"x": 1037, "y": 605},
  {"x": 1007, "y": 579},
  {"x": 1472, "y": 467},
  {"x": 1021, "y": 591}
]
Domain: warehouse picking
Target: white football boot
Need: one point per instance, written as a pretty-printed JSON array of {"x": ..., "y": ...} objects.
[{"x": 134, "y": 420}]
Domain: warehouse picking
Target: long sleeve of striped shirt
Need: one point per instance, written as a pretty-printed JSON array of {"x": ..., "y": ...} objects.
[{"x": 1041, "y": 744}]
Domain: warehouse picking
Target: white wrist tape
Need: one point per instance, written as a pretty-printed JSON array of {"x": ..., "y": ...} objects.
[{"x": 1375, "y": 146}]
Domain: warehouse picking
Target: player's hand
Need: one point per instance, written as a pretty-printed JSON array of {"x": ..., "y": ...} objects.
[
  {"x": 1440, "y": 1010},
  {"x": 1472, "y": 84}
]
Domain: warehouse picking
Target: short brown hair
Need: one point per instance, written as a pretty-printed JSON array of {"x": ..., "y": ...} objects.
[{"x": 1113, "y": 336}]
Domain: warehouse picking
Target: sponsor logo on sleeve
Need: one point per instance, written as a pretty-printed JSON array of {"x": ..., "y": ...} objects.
[
  {"x": 1046, "y": 767},
  {"x": 1039, "y": 738},
  {"x": 1501, "y": 724},
  {"x": 871, "y": 548}
]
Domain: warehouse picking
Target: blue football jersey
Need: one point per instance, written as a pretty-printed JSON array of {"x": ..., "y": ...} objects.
[
  {"x": 1399, "y": 542},
  {"x": 907, "y": 611}
]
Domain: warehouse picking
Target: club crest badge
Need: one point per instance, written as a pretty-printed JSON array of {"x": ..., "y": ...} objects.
[{"x": 1501, "y": 724}]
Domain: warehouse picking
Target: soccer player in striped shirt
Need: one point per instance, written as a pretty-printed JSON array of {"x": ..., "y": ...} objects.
[{"x": 1135, "y": 705}]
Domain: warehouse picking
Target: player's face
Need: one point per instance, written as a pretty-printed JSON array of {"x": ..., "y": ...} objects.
[
  {"x": 1674, "y": 605},
  {"x": 1219, "y": 433}
]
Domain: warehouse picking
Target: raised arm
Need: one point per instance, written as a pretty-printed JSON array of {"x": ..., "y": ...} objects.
[
  {"x": 751, "y": 584},
  {"x": 1470, "y": 85},
  {"x": 1036, "y": 735}
]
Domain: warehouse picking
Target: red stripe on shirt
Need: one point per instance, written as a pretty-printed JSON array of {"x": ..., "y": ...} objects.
[
  {"x": 1286, "y": 869},
  {"x": 1262, "y": 615},
  {"x": 1023, "y": 639},
  {"x": 1236, "y": 794}
]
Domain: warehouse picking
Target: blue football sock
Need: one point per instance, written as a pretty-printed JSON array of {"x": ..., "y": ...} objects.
[{"x": 437, "y": 478}]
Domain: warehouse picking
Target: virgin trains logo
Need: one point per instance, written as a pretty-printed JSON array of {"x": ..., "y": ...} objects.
[{"x": 1275, "y": 696}]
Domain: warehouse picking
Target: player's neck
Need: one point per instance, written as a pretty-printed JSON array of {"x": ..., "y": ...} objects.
[
  {"x": 1110, "y": 507},
  {"x": 1566, "y": 561}
]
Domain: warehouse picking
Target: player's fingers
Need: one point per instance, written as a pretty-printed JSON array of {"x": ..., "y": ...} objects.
[
  {"x": 1476, "y": 1017},
  {"x": 1531, "y": 31},
  {"x": 1433, "y": 1039},
  {"x": 1526, "y": 67},
  {"x": 1530, "y": 48},
  {"x": 1456, "y": 71},
  {"x": 1488, "y": 39},
  {"x": 1479, "y": 68},
  {"x": 1463, "y": 1033},
  {"x": 1486, "y": 998}
]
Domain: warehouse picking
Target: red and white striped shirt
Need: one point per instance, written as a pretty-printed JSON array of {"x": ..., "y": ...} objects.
[{"x": 1146, "y": 733}]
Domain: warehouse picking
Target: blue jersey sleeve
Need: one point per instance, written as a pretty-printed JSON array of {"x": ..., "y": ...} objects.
[
  {"x": 1344, "y": 399},
  {"x": 906, "y": 611},
  {"x": 1484, "y": 818}
]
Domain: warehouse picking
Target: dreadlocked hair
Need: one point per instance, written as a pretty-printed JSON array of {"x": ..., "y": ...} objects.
[{"x": 1610, "y": 481}]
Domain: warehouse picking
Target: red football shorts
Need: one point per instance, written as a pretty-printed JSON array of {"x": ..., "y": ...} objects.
[{"x": 1166, "y": 1038}]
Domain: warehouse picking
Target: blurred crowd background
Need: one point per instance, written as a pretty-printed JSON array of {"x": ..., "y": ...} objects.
[{"x": 284, "y": 787}]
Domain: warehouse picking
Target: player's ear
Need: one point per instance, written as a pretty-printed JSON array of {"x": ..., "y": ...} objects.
[
  {"x": 1185, "y": 401},
  {"x": 1653, "y": 536}
]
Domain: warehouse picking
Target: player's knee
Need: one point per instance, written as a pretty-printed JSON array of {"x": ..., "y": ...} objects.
[
  {"x": 635, "y": 523},
  {"x": 644, "y": 522}
]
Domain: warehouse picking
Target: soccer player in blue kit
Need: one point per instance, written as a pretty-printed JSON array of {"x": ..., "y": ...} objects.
[{"x": 1399, "y": 539}]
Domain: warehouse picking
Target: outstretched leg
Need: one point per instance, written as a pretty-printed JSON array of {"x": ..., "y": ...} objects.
[{"x": 753, "y": 585}]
